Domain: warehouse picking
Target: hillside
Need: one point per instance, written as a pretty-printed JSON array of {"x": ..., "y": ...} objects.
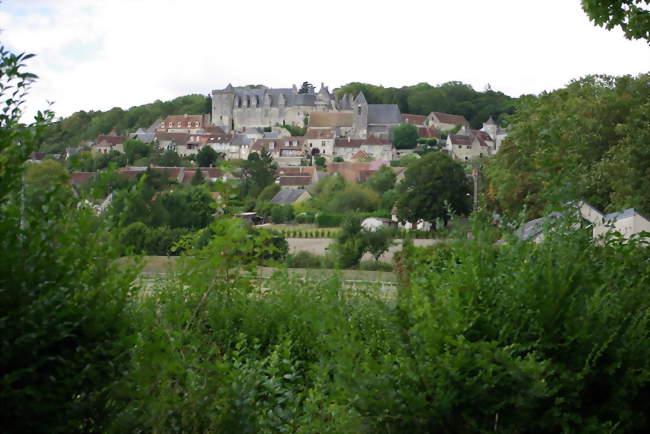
[{"x": 82, "y": 126}]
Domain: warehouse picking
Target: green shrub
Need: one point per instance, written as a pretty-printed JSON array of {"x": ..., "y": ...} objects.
[{"x": 324, "y": 219}]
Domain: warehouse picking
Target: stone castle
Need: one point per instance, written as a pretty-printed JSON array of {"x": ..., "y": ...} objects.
[{"x": 238, "y": 109}]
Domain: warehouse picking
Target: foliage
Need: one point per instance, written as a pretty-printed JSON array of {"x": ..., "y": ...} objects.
[
  {"x": 354, "y": 198},
  {"x": 136, "y": 149},
  {"x": 451, "y": 97},
  {"x": 377, "y": 242},
  {"x": 350, "y": 245},
  {"x": 160, "y": 240},
  {"x": 382, "y": 180},
  {"x": 168, "y": 158},
  {"x": 338, "y": 159},
  {"x": 328, "y": 220},
  {"x": 405, "y": 136},
  {"x": 306, "y": 87},
  {"x": 295, "y": 131},
  {"x": 281, "y": 213},
  {"x": 430, "y": 187},
  {"x": 320, "y": 163},
  {"x": 568, "y": 145},
  {"x": 62, "y": 297},
  {"x": 198, "y": 177},
  {"x": 84, "y": 126},
  {"x": 630, "y": 15},
  {"x": 258, "y": 172},
  {"x": 206, "y": 157}
]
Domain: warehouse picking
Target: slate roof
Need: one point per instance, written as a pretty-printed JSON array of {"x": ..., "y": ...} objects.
[
  {"x": 383, "y": 114},
  {"x": 177, "y": 138},
  {"x": 287, "y": 196},
  {"x": 296, "y": 170},
  {"x": 143, "y": 136},
  {"x": 240, "y": 139},
  {"x": 630, "y": 212}
]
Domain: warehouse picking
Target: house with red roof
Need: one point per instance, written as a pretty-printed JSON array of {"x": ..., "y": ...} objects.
[{"x": 445, "y": 121}]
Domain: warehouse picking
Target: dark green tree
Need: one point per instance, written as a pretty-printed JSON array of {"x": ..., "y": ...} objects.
[
  {"x": 135, "y": 149},
  {"x": 306, "y": 87},
  {"x": 432, "y": 185},
  {"x": 198, "y": 178},
  {"x": 258, "y": 171},
  {"x": 378, "y": 242},
  {"x": 632, "y": 16},
  {"x": 169, "y": 158},
  {"x": 405, "y": 136},
  {"x": 349, "y": 246},
  {"x": 206, "y": 157},
  {"x": 383, "y": 180},
  {"x": 62, "y": 293}
]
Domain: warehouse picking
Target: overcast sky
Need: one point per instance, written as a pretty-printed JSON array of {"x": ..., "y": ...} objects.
[{"x": 98, "y": 54}]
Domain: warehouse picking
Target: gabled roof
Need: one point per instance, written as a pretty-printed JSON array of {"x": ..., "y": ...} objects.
[
  {"x": 295, "y": 181},
  {"x": 296, "y": 170},
  {"x": 428, "y": 132},
  {"x": 288, "y": 196},
  {"x": 177, "y": 138},
  {"x": 320, "y": 133},
  {"x": 360, "y": 154},
  {"x": 348, "y": 143},
  {"x": 383, "y": 114},
  {"x": 447, "y": 118},
  {"x": 413, "y": 119},
  {"x": 80, "y": 177},
  {"x": 331, "y": 119},
  {"x": 459, "y": 139},
  {"x": 111, "y": 140},
  {"x": 630, "y": 212},
  {"x": 183, "y": 119}
]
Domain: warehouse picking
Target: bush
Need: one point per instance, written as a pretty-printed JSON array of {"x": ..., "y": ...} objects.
[
  {"x": 304, "y": 260},
  {"x": 324, "y": 219}
]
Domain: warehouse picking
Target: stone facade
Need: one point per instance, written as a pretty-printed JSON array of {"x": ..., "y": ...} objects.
[{"x": 239, "y": 108}]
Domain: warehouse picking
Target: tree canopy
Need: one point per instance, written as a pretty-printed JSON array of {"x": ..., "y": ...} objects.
[
  {"x": 405, "y": 136},
  {"x": 630, "y": 15},
  {"x": 451, "y": 97},
  {"x": 431, "y": 185},
  {"x": 585, "y": 141}
]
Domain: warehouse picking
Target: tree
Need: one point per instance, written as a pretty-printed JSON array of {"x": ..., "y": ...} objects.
[
  {"x": 258, "y": 171},
  {"x": 405, "y": 136},
  {"x": 630, "y": 15},
  {"x": 306, "y": 87},
  {"x": 377, "y": 242},
  {"x": 382, "y": 180},
  {"x": 169, "y": 158},
  {"x": 62, "y": 292},
  {"x": 207, "y": 157},
  {"x": 136, "y": 149},
  {"x": 432, "y": 185},
  {"x": 563, "y": 146},
  {"x": 198, "y": 177},
  {"x": 349, "y": 246}
]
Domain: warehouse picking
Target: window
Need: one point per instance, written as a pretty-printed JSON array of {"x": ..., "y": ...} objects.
[
  {"x": 178, "y": 124},
  {"x": 196, "y": 124},
  {"x": 359, "y": 110},
  {"x": 189, "y": 124},
  {"x": 170, "y": 125},
  {"x": 323, "y": 143},
  {"x": 221, "y": 118}
]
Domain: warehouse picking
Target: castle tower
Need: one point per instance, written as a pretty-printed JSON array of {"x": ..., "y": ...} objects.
[
  {"x": 222, "y": 105},
  {"x": 360, "y": 120}
]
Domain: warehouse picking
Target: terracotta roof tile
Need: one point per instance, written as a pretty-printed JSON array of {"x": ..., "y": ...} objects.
[
  {"x": 417, "y": 120},
  {"x": 331, "y": 119},
  {"x": 447, "y": 118}
]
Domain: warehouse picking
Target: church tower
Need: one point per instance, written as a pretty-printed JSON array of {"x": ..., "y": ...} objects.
[{"x": 360, "y": 120}]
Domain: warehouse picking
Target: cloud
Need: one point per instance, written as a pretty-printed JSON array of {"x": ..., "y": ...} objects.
[{"x": 98, "y": 54}]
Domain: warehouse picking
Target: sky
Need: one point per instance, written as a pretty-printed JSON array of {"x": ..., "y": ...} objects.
[{"x": 99, "y": 54}]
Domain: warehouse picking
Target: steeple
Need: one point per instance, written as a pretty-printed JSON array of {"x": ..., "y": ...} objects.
[
  {"x": 490, "y": 121},
  {"x": 360, "y": 99}
]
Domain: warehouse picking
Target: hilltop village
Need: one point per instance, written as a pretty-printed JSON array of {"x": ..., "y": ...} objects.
[{"x": 346, "y": 129}]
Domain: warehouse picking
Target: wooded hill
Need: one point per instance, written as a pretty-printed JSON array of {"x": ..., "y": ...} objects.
[{"x": 453, "y": 97}]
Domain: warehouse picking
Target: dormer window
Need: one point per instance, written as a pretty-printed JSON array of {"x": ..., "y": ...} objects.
[
  {"x": 178, "y": 124},
  {"x": 189, "y": 124},
  {"x": 196, "y": 124},
  {"x": 170, "y": 125}
]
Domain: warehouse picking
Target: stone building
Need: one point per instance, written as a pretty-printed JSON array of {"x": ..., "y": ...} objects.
[{"x": 238, "y": 108}]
